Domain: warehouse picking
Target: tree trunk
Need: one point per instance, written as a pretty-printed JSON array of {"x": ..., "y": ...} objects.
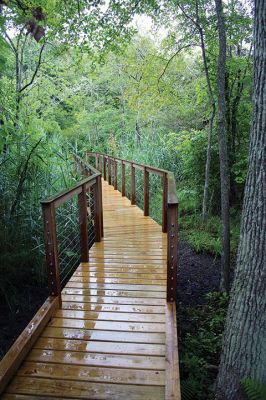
[
  {"x": 212, "y": 115},
  {"x": 244, "y": 350},
  {"x": 207, "y": 169},
  {"x": 223, "y": 149},
  {"x": 138, "y": 130}
]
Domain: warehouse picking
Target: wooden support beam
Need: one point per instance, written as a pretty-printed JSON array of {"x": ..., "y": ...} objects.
[
  {"x": 51, "y": 250},
  {"x": 146, "y": 192},
  {"x": 104, "y": 168},
  {"x": 109, "y": 171},
  {"x": 123, "y": 179},
  {"x": 97, "y": 210},
  {"x": 115, "y": 174},
  {"x": 164, "y": 205},
  {"x": 101, "y": 164},
  {"x": 172, "y": 380},
  {"x": 101, "y": 205},
  {"x": 83, "y": 224},
  {"x": 133, "y": 185},
  {"x": 172, "y": 251}
]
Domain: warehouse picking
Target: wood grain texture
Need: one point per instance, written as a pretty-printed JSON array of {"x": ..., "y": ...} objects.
[
  {"x": 172, "y": 381},
  {"x": 25, "y": 341},
  {"x": 115, "y": 335}
]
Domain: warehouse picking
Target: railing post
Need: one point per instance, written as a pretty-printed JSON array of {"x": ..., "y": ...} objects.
[
  {"x": 164, "y": 206},
  {"x": 51, "y": 250},
  {"x": 97, "y": 161},
  {"x": 101, "y": 164},
  {"x": 83, "y": 168},
  {"x": 133, "y": 185},
  {"x": 123, "y": 179},
  {"x": 172, "y": 251},
  {"x": 109, "y": 171},
  {"x": 101, "y": 204},
  {"x": 83, "y": 224},
  {"x": 97, "y": 210},
  {"x": 146, "y": 192},
  {"x": 104, "y": 168},
  {"x": 115, "y": 174}
]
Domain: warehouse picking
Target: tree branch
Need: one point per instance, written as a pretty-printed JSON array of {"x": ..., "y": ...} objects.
[
  {"x": 22, "y": 179},
  {"x": 188, "y": 16},
  {"x": 36, "y": 70},
  {"x": 172, "y": 57},
  {"x": 10, "y": 42}
]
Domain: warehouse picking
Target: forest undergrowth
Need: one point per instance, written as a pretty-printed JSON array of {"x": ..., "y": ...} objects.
[
  {"x": 180, "y": 99},
  {"x": 201, "y": 312}
]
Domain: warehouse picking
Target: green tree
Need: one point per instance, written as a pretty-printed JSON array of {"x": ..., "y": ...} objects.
[{"x": 243, "y": 354}]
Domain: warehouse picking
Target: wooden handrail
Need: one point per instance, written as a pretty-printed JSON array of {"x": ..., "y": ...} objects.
[
  {"x": 171, "y": 195},
  {"x": 61, "y": 197},
  {"x": 49, "y": 206},
  {"x": 169, "y": 209}
]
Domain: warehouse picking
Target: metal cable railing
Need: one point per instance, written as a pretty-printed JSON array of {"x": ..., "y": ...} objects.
[
  {"x": 68, "y": 238},
  {"x": 72, "y": 223},
  {"x": 155, "y": 197},
  {"x": 128, "y": 181},
  {"x": 91, "y": 216},
  {"x": 153, "y": 190},
  {"x": 139, "y": 185}
]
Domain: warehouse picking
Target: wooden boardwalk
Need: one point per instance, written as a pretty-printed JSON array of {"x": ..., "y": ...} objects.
[{"x": 114, "y": 337}]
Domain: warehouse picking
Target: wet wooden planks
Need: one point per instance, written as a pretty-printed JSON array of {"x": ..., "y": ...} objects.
[{"x": 108, "y": 341}]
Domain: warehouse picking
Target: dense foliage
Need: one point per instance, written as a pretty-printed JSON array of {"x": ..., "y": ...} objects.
[{"x": 77, "y": 75}]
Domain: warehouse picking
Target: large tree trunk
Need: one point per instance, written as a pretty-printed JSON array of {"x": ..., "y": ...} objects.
[
  {"x": 244, "y": 350},
  {"x": 223, "y": 149}
]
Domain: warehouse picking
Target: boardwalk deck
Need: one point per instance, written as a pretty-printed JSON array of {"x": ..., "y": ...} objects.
[{"x": 109, "y": 340}]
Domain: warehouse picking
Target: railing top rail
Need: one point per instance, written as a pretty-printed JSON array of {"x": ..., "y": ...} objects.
[
  {"x": 88, "y": 166},
  {"x": 67, "y": 194},
  {"x": 137, "y": 164},
  {"x": 171, "y": 195}
]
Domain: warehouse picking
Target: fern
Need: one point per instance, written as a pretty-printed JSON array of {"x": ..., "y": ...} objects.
[
  {"x": 187, "y": 389},
  {"x": 254, "y": 390}
]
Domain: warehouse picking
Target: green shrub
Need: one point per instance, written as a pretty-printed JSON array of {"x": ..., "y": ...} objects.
[
  {"x": 254, "y": 390},
  {"x": 200, "y": 345},
  {"x": 203, "y": 241}
]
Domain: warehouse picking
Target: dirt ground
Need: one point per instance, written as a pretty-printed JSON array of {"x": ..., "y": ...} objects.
[
  {"x": 13, "y": 323},
  {"x": 198, "y": 274}
]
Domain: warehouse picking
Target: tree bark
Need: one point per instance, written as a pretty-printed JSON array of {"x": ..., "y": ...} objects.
[
  {"x": 223, "y": 149},
  {"x": 212, "y": 115},
  {"x": 244, "y": 350},
  {"x": 197, "y": 24}
]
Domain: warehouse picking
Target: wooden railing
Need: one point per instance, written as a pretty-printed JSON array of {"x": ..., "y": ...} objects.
[
  {"x": 109, "y": 166},
  {"x": 74, "y": 249},
  {"x": 90, "y": 185}
]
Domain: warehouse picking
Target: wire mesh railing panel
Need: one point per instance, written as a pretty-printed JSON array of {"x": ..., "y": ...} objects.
[
  {"x": 139, "y": 185},
  {"x": 109, "y": 171},
  {"x": 90, "y": 160},
  {"x": 128, "y": 181},
  {"x": 68, "y": 238},
  {"x": 156, "y": 197},
  {"x": 119, "y": 177},
  {"x": 91, "y": 216},
  {"x": 112, "y": 173}
]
